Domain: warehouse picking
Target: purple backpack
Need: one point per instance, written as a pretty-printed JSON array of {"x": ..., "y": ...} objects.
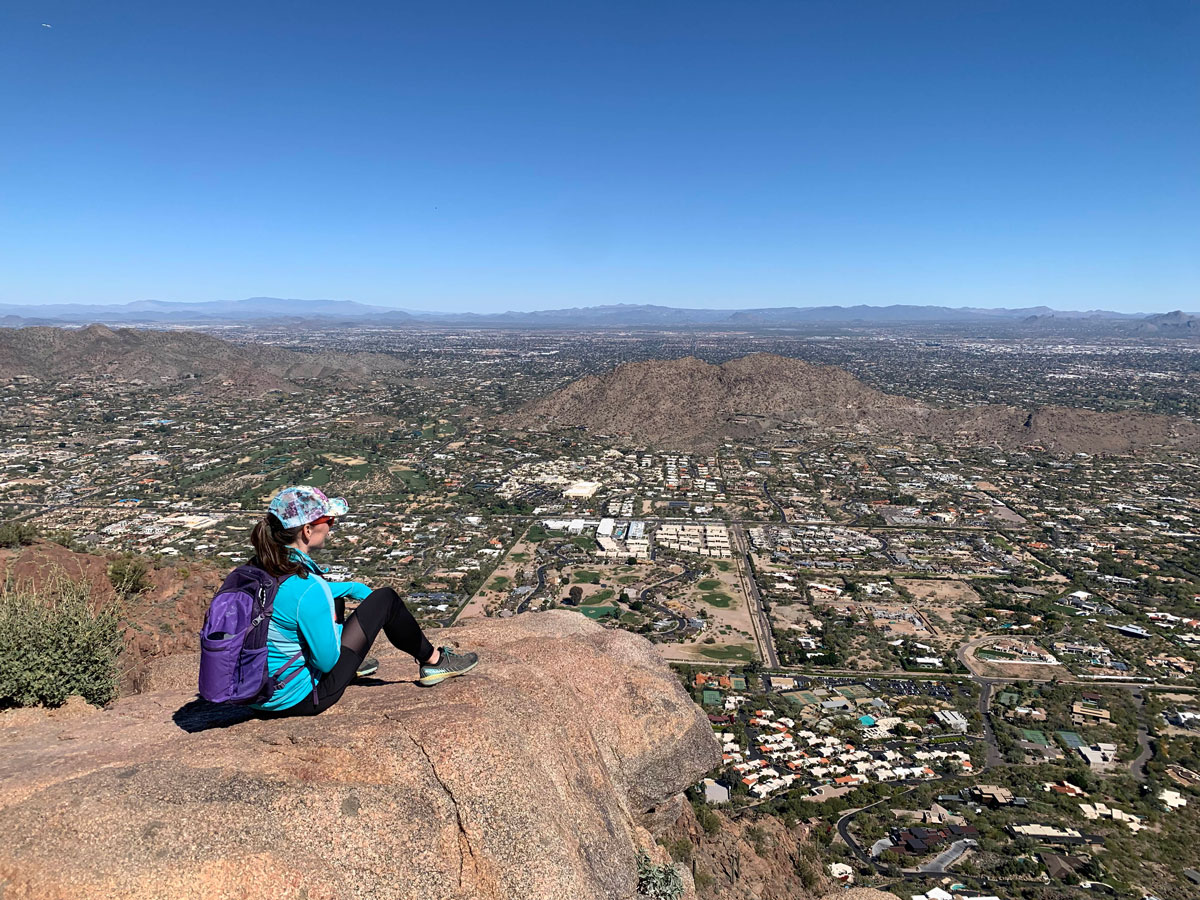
[{"x": 233, "y": 642}]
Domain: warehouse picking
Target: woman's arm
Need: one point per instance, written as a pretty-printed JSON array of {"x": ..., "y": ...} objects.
[
  {"x": 355, "y": 590},
  {"x": 314, "y": 616}
]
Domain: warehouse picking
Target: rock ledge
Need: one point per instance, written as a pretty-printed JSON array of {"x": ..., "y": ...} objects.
[{"x": 539, "y": 775}]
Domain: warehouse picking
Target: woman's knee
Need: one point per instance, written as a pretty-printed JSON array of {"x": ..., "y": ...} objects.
[{"x": 385, "y": 593}]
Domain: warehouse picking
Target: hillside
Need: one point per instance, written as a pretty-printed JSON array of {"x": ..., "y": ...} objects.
[
  {"x": 688, "y": 404},
  {"x": 55, "y": 354}
]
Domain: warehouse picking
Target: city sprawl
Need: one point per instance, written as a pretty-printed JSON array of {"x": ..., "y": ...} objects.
[{"x": 959, "y": 661}]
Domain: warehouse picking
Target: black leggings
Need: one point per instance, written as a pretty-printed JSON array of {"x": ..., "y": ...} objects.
[{"x": 382, "y": 609}]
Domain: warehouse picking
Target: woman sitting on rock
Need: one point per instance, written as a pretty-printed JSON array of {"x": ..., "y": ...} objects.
[{"x": 309, "y": 612}]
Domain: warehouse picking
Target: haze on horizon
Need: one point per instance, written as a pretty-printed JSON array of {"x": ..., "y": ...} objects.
[{"x": 482, "y": 157}]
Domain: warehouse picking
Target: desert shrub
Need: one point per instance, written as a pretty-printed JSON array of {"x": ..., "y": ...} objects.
[
  {"x": 709, "y": 820},
  {"x": 129, "y": 575},
  {"x": 808, "y": 868},
  {"x": 55, "y": 641},
  {"x": 16, "y": 534},
  {"x": 658, "y": 882},
  {"x": 758, "y": 839},
  {"x": 680, "y": 849},
  {"x": 64, "y": 537}
]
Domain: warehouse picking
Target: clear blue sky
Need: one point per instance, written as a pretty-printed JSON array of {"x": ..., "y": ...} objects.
[{"x": 493, "y": 155}]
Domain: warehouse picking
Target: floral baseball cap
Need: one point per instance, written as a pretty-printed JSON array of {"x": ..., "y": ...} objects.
[{"x": 299, "y": 505}]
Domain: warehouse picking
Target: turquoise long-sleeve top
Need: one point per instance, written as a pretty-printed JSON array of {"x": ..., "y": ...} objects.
[{"x": 303, "y": 622}]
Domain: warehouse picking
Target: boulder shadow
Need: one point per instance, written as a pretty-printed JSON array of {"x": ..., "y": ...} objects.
[
  {"x": 200, "y": 715},
  {"x": 372, "y": 681}
]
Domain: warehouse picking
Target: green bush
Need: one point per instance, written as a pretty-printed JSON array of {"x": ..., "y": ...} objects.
[
  {"x": 680, "y": 849},
  {"x": 62, "y": 536},
  {"x": 709, "y": 820},
  {"x": 758, "y": 839},
  {"x": 129, "y": 575},
  {"x": 56, "y": 642},
  {"x": 16, "y": 534},
  {"x": 658, "y": 882}
]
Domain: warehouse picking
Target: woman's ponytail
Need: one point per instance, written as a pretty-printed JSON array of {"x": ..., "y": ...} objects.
[{"x": 270, "y": 540}]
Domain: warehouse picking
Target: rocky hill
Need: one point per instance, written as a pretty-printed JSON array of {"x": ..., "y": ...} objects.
[
  {"x": 540, "y": 775},
  {"x": 688, "y": 404},
  {"x": 55, "y": 354},
  {"x": 1173, "y": 323}
]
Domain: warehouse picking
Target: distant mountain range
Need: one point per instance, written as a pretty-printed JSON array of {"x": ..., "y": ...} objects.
[
  {"x": 688, "y": 404},
  {"x": 613, "y": 316},
  {"x": 157, "y": 357},
  {"x": 214, "y": 312}
]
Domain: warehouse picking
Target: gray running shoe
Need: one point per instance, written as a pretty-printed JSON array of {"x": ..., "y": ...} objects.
[
  {"x": 368, "y": 666},
  {"x": 448, "y": 665}
]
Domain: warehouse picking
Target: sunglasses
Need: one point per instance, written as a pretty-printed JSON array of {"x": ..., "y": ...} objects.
[{"x": 331, "y": 521}]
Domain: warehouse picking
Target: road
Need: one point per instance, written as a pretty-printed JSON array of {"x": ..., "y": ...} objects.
[
  {"x": 541, "y": 586},
  {"x": 993, "y": 757},
  {"x": 759, "y": 619},
  {"x": 843, "y": 828},
  {"x": 775, "y": 503},
  {"x": 681, "y": 622},
  {"x": 822, "y": 523},
  {"x": 947, "y": 857},
  {"x": 1137, "y": 768}
]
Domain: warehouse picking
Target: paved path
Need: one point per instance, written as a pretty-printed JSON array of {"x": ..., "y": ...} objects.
[{"x": 947, "y": 857}]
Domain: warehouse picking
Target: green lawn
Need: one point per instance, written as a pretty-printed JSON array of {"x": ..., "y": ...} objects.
[
  {"x": 709, "y": 584},
  {"x": 736, "y": 651},
  {"x": 583, "y": 576},
  {"x": 598, "y": 597},
  {"x": 629, "y": 579},
  {"x": 723, "y": 565},
  {"x": 413, "y": 480},
  {"x": 518, "y": 557},
  {"x": 721, "y": 601},
  {"x": 499, "y": 583}
]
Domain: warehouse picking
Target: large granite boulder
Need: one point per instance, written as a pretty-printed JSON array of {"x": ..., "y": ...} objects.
[{"x": 539, "y": 775}]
